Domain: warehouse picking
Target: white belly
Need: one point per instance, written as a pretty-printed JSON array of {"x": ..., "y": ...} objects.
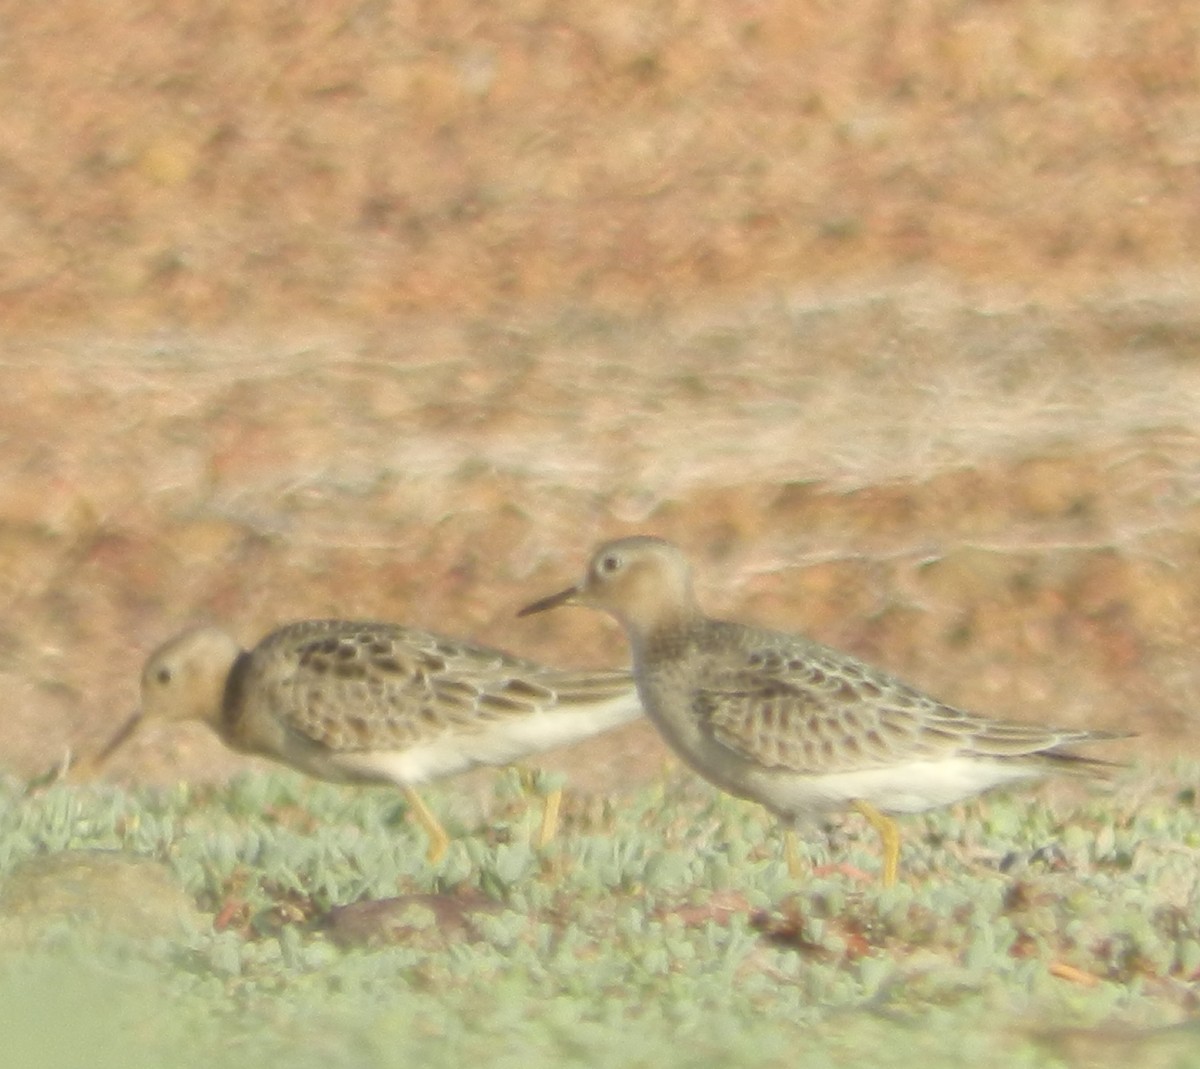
[
  {"x": 499, "y": 743},
  {"x": 910, "y": 787}
]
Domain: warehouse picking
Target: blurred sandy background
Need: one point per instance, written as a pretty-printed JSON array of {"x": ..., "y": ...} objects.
[{"x": 888, "y": 312}]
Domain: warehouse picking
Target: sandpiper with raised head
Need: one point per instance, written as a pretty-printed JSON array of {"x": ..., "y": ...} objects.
[{"x": 799, "y": 727}]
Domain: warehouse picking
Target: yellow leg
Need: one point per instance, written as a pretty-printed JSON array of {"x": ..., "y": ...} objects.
[
  {"x": 439, "y": 841},
  {"x": 549, "y": 826},
  {"x": 791, "y": 853},
  {"x": 889, "y": 834}
]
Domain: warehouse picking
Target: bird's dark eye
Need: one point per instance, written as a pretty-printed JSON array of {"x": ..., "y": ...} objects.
[
  {"x": 609, "y": 563},
  {"x": 163, "y": 675}
]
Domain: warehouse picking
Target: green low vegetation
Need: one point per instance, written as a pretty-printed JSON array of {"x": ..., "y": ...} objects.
[{"x": 242, "y": 926}]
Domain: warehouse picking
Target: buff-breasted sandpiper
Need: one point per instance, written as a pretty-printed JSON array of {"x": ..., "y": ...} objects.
[
  {"x": 366, "y": 702},
  {"x": 797, "y": 726}
]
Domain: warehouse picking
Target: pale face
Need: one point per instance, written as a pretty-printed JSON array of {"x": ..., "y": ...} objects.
[
  {"x": 185, "y": 678},
  {"x": 643, "y": 582}
]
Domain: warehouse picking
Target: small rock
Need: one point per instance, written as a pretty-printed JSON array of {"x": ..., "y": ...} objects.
[
  {"x": 93, "y": 891},
  {"x": 406, "y": 918}
]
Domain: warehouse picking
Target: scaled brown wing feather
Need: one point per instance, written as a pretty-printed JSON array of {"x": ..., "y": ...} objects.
[
  {"x": 376, "y": 686},
  {"x": 819, "y": 714}
]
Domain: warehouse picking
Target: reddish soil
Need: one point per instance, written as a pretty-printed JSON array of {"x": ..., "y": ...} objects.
[{"x": 886, "y": 312}]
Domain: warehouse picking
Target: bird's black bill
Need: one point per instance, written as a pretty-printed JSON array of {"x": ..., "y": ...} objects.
[
  {"x": 124, "y": 733},
  {"x": 563, "y": 597}
]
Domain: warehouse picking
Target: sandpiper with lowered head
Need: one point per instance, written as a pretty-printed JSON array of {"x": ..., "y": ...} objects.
[{"x": 367, "y": 702}]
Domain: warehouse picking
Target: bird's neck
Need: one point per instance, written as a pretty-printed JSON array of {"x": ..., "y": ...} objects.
[
  {"x": 664, "y": 638},
  {"x": 232, "y": 701}
]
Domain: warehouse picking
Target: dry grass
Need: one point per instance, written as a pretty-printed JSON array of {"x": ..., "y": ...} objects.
[{"x": 1012, "y": 533}]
